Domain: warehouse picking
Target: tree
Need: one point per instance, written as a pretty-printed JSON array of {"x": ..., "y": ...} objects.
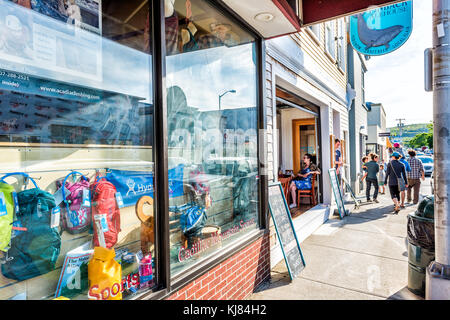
[{"x": 423, "y": 139}]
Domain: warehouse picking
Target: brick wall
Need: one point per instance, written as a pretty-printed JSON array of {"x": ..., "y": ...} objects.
[{"x": 233, "y": 279}]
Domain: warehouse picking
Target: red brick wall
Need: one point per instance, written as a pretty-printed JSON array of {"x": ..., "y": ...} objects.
[{"x": 233, "y": 279}]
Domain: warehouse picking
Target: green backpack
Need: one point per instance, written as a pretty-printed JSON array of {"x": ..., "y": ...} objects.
[
  {"x": 6, "y": 215},
  {"x": 35, "y": 244}
]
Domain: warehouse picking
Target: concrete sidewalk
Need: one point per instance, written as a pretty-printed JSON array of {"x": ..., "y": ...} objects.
[{"x": 362, "y": 257}]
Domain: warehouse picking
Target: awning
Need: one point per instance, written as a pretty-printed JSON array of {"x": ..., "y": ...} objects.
[
  {"x": 274, "y": 18},
  {"x": 314, "y": 11},
  {"x": 271, "y": 18}
]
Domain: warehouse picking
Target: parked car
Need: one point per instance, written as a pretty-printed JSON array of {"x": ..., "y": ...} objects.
[{"x": 428, "y": 164}]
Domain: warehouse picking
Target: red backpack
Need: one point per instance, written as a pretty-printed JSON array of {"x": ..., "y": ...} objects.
[{"x": 105, "y": 214}]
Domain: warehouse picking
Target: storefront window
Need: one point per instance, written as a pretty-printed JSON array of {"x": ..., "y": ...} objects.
[
  {"x": 212, "y": 132},
  {"x": 76, "y": 115}
]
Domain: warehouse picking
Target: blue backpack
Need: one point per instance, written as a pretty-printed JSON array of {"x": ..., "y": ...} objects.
[{"x": 35, "y": 245}]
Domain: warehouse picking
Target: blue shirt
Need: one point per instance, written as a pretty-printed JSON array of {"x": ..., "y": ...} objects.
[{"x": 407, "y": 166}]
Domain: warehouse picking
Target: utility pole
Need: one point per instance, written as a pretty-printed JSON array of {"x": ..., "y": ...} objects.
[
  {"x": 400, "y": 126},
  {"x": 438, "y": 272}
]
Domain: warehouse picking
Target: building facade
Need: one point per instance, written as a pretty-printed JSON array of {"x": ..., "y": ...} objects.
[
  {"x": 306, "y": 81},
  {"x": 376, "y": 121},
  {"x": 358, "y": 126}
]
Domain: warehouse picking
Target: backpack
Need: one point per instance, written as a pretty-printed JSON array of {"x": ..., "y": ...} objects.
[
  {"x": 105, "y": 214},
  {"x": 76, "y": 217},
  {"x": 35, "y": 248},
  {"x": 6, "y": 215},
  {"x": 193, "y": 214}
]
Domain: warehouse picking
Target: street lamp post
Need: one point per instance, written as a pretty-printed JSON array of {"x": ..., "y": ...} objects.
[{"x": 220, "y": 96}]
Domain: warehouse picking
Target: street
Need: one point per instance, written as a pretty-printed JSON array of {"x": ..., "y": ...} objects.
[{"x": 362, "y": 257}]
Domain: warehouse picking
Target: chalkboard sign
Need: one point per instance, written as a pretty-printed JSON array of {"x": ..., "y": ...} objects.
[
  {"x": 285, "y": 230},
  {"x": 336, "y": 186}
]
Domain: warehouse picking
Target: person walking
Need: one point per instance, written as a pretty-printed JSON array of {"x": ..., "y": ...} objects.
[
  {"x": 396, "y": 174},
  {"x": 417, "y": 172},
  {"x": 381, "y": 177},
  {"x": 372, "y": 179},
  {"x": 408, "y": 169},
  {"x": 363, "y": 172}
]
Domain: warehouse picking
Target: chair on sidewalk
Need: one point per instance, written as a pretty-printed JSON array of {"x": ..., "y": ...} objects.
[{"x": 310, "y": 193}]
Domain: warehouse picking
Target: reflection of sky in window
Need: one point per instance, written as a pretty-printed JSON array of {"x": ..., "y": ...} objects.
[
  {"x": 76, "y": 56},
  {"x": 205, "y": 74}
]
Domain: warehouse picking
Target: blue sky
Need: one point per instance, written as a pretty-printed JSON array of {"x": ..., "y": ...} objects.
[{"x": 397, "y": 79}]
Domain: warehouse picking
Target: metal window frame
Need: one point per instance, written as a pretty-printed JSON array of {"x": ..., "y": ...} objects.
[{"x": 167, "y": 285}]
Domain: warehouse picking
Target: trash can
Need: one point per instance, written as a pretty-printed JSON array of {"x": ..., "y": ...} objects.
[{"x": 420, "y": 245}]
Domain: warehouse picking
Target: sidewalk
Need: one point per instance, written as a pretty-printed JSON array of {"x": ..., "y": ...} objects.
[{"x": 362, "y": 257}]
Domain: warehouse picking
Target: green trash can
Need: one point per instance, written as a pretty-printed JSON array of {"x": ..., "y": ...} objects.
[
  {"x": 419, "y": 257},
  {"x": 416, "y": 280},
  {"x": 420, "y": 245}
]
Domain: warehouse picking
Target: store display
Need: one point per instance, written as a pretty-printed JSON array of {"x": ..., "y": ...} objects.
[
  {"x": 105, "y": 213},
  {"x": 73, "y": 279},
  {"x": 6, "y": 215},
  {"x": 145, "y": 271},
  {"x": 147, "y": 223},
  {"x": 105, "y": 275},
  {"x": 76, "y": 208},
  {"x": 35, "y": 248}
]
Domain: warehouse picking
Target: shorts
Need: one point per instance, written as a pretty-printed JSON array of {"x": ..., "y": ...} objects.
[
  {"x": 381, "y": 183},
  {"x": 303, "y": 184}
]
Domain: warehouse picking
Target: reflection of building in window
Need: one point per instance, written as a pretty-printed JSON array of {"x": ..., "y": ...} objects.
[{"x": 52, "y": 112}]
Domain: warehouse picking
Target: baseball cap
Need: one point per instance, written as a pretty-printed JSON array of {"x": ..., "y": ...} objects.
[
  {"x": 396, "y": 145},
  {"x": 395, "y": 154}
]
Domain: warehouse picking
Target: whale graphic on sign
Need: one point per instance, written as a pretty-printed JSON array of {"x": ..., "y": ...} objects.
[{"x": 376, "y": 37}]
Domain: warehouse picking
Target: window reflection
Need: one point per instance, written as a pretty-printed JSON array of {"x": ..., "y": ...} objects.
[
  {"x": 212, "y": 128},
  {"x": 76, "y": 111}
]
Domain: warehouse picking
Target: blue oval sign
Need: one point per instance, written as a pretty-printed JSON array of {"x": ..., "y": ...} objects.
[{"x": 382, "y": 30}]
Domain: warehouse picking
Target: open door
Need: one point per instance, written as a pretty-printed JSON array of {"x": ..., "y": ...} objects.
[{"x": 304, "y": 140}]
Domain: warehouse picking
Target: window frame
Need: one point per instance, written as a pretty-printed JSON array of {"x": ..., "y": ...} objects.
[
  {"x": 330, "y": 34},
  {"x": 165, "y": 283}
]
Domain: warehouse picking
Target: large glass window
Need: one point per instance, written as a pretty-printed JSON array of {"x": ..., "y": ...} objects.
[
  {"x": 212, "y": 131},
  {"x": 76, "y": 115}
]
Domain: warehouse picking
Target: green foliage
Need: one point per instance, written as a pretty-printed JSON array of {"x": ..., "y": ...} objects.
[{"x": 423, "y": 139}]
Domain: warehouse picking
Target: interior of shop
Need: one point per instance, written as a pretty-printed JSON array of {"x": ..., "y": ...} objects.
[{"x": 298, "y": 128}]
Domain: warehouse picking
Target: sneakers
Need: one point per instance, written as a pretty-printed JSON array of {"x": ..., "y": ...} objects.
[
  {"x": 292, "y": 205},
  {"x": 376, "y": 201},
  {"x": 369, "y": 201}
]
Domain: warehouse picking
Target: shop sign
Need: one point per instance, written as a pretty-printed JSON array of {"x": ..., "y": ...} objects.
[
  {"x": 203, "y": 244},
  {"x": 132, "y": 185},
  {"x": 382, "y": 30}
]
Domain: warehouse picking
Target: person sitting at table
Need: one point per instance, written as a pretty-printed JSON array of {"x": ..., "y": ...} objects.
[{"x": 303, "y": 179}]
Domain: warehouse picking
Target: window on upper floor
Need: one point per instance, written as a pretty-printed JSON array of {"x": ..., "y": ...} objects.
[
  {"x": 315, "y": 29},
  {"x": 330, "y": 34},
  {"x": 341, "y": 41}
]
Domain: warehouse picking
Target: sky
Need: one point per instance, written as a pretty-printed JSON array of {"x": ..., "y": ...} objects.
[{"x": 397, "y": 79}]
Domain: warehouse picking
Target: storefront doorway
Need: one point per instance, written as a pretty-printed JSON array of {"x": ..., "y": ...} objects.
[{"x": 298, "y": 135}]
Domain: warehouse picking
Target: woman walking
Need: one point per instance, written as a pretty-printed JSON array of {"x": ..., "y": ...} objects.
[{"x": 396, "y": 174}]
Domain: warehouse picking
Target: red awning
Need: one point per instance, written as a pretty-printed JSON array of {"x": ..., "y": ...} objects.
[
  {"x": 314, "y": 11},
  {"x": 274, "y": 18}
]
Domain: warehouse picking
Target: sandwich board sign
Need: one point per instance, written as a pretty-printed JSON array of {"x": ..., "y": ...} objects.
[
  {"x": 284, "y": 227},
  {"x": 381, "y": 30},
  {"x": 337, "y": 190}
]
